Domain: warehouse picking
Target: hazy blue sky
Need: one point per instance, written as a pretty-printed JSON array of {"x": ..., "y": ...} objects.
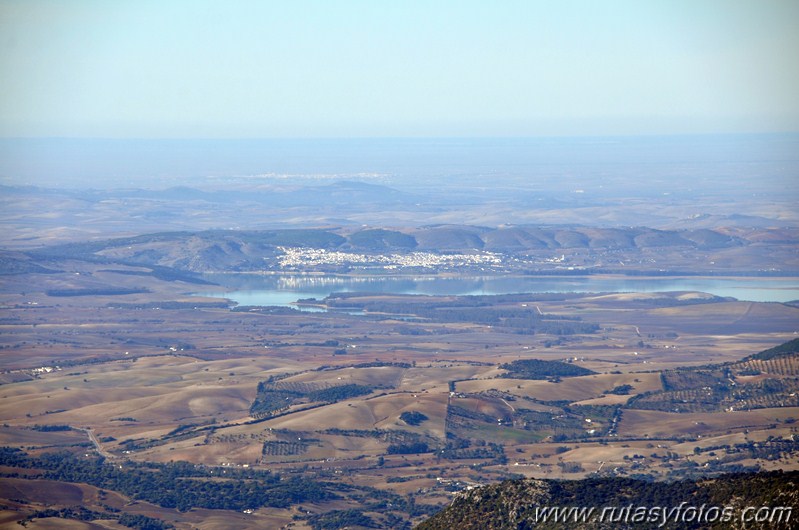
[{"x": 301, "y": 68}]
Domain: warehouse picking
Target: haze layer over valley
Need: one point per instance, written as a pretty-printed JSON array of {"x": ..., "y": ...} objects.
[{"x": 91, "y": 188}]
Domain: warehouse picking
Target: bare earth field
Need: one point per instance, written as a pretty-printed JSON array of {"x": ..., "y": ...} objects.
[{"x": 419, "y": 407}]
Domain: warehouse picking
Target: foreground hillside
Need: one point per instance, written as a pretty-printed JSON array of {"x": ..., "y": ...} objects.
[{"x": 762, "y": 500}]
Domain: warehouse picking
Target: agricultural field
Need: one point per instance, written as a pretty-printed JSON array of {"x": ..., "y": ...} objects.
[{"x": 380, "y": 415}]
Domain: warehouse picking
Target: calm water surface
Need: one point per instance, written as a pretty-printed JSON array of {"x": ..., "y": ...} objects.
[{"x": 283, "y": 290}]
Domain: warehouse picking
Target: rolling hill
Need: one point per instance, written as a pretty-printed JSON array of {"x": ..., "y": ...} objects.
[{"x": 624, "y": 250}]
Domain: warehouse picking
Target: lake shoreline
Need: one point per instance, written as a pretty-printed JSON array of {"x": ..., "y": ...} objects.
[{"x": 282, "y": 289}]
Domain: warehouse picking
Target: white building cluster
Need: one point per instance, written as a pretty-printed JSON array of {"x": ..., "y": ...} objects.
[{"x": 299, "y": 257}]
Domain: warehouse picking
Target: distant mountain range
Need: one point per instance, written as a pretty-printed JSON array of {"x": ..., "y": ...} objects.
[
  {"x": 35, "y": 216},
  {"x": 628, "y": 249}
]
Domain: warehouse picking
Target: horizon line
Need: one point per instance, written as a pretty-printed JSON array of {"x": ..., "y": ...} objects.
[{"x": 400, "y": 137}]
